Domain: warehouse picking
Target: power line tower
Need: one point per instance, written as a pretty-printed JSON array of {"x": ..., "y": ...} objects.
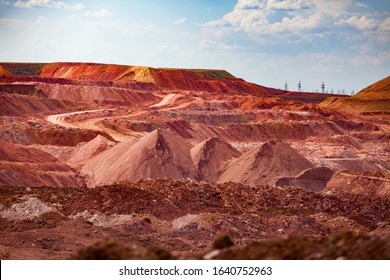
[
  {"x": 299, "y": 86},
  {"x": 323, "y": 87},
  {"x": 285, "y": 86}
]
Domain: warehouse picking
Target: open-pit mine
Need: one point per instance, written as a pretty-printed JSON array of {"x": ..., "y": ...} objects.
[{"x": 130, "y": 162}]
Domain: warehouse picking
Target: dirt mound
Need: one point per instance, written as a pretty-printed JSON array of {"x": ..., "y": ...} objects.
[
  {"x": 84, "y": 153},
  {"x": 159, "y": 154},
  {"x": 360, "y": 183},
  {"x": 264, "y": 164},
  {"x": 4, "y": 72},
  {"x": 340, "y": 246},
  {"x": 379, "y": 89},
  {"x": 211, "y": 157},
  {"x": 27, "y": 210},
  {"x": 314, "y": 179},
  {"x": 372, "y": 100},
  {"x": 111, "y": 250}
]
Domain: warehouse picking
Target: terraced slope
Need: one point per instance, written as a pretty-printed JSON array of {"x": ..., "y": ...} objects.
[{"x": 163, "y": 78}]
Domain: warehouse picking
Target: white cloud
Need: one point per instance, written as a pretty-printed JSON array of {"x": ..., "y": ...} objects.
[
  {"x": 292, "y": 21},
  {"x": 210, "y": 44},
  {"x": 289, "y": 5},
  {"x": 5, "y": 3},
  {"x": 361, "y": 23},
  {"x": 331, "y": 7},
  {"x": 49, "y": 4},
  {"x": 249, "y": 4},
  {"x": 385, "y": 25},
  {"x": 99, "y": 14},
  {"x": 41, "y": 20},
  {"x": 361, "y": 5},
  {"x": 254, "y": 16},
  {"x": 180, "y": 21},
  {"x": 10, "y": 21}
]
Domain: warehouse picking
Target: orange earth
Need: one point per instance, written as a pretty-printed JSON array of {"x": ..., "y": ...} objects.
[{"x": 184, "y": 158}]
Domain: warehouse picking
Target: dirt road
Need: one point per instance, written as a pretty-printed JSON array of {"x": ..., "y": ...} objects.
[
  {"x": 59, "y": 119},
  {"x": 93, "y": 123}
]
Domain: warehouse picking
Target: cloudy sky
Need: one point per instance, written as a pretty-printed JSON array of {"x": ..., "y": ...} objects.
[{"x": 344, "y": 43}]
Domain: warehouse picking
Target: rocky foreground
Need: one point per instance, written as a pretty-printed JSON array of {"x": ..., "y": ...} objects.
[{"x": 186, "y": 218}]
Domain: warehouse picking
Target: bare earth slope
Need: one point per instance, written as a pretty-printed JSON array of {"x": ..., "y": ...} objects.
[
  {"x": 84, "y": 153},
  {"x": 374, "y": 99},
  {"x": 25, "y": 166},
  {"x": 211, "y": 157},
  {"x": 264, "y": 164},
  {"x": 159, "y": 154}
]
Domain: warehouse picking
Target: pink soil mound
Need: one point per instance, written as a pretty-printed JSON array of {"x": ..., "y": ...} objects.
[
  {"x": 314, "y": 179},
  {"x": 94, "y": 147},
  {"x": 211, "y": 157},
  {"x": 159, "y": 154},
  {"x": 264, "y": 164}
]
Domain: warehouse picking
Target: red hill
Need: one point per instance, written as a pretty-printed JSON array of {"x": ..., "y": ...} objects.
[{"x": 163, "y": 78}]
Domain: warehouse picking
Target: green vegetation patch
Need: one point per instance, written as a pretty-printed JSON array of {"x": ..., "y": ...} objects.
[
  {"x": 213, "y": 74},
  {"x": 207, "y": 73},
  {"x": 24, "y": 69}
]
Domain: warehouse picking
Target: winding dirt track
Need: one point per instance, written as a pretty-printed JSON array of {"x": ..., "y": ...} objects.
[
  {"x": 59, "y": 119},
  {"x": 93, "y": 123},
  {"x": 168, "y": 99}
]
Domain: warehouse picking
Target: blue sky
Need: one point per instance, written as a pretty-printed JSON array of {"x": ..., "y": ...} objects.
[{"x": 344, "y": 43}]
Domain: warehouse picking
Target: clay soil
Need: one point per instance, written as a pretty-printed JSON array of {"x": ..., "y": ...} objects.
[{"x": 124, "y": 162}]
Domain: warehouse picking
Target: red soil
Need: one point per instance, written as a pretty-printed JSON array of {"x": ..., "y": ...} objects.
[
  {"x": 211, "y": 157},
  {"x": 26, "y": 166},
  {"x": 159, "y": 154},
  {"x": 82, "y": 154},
  {"x": 18, "y": 153},
  {"x": 201, "y": 80},
  {"x": 97, "y": 94},
  {"x": 264, "y": 164},
  {"x": 4, "y": 72},
  {"x": 190, "y": 125}
]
